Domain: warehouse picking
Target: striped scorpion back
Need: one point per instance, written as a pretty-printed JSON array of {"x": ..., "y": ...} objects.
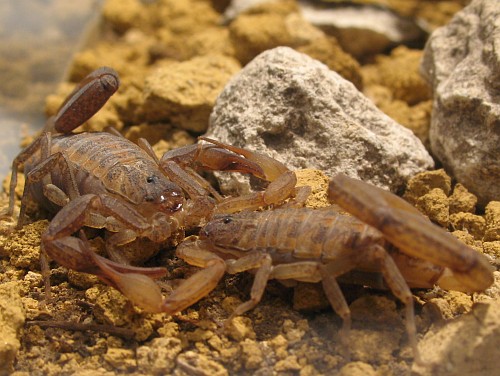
[
  {"x": 101, "y": 163},
  {"x": 303, "y": 233}
]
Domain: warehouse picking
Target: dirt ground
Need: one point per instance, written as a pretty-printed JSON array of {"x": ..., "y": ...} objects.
[{"x": 88, "y": 327}]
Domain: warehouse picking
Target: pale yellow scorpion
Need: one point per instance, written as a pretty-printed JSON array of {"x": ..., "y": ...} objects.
[{"x": 102, "y": 180}]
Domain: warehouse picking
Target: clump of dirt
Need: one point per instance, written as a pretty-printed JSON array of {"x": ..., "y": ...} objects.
[
  {"x": 173, "y": 58},
  {"x": 394, "y": 83},
  {"x": 185, "y": 92},
  {"x": 12, "y": 318}
]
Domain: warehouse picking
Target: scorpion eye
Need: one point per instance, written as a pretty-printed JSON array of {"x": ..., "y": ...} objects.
[
  {"x": 227, "y": 220},
  {"x": 150, "y": 179}
]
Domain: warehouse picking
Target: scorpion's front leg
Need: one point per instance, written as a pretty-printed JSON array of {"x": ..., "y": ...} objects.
[
  {"x": 282, "y": 180},
  {"x": 144, "y": 292}
]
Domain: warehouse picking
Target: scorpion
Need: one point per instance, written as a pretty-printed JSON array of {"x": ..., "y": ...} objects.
[
  {"x": 384, "y": 236},
  {"x": 102, "y": 180}
]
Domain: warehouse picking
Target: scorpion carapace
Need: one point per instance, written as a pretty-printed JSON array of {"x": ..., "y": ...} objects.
[
  {"x": 325, "y": 245},
  {"x": 102, "y": 180}
]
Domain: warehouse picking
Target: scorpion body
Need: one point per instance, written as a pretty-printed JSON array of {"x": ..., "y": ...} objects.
[
  {"x": 288, "y": 235},
  {"x": 121, "y": 169}
]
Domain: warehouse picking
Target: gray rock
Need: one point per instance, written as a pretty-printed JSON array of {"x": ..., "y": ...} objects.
[
  {"x": 462, "y": 63},
  {"x": 293, "y": 108},
  {"x": 361, "y": 29}
]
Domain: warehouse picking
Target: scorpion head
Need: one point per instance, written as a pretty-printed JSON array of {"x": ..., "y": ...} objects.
[
  {"x": 229, "y": 230},
  {"x": 162, "y": 195}
]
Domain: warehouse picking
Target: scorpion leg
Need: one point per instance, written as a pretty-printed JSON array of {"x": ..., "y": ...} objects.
[
  {"x": 277, "y": 191},
  {"x": 41, "y": 173},
  {"x": 178, "y": 165},
  {"x": 282, "y": 180},
  {"x": 184, "y": 180},
  {"x": 410, "y": 231},
  {"x": 197, "y": 253},
  {"x": 139, "y": 288},
  {"x": 263, "y": 263},
  {"x": 309, "y": 271},
  {"x": 398, "y": 286},
  {"x": 42, "y": 144},
  {"x": 187, "y": 178},
  {"x": 221, "y": 157}
]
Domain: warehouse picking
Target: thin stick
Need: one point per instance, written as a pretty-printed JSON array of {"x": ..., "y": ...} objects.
[{"x": 66, "y": 325}]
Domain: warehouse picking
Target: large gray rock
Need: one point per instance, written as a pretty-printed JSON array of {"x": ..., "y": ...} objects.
[
  {"x": 462, "y": 63},
  {"x": 295, "y": 109}
]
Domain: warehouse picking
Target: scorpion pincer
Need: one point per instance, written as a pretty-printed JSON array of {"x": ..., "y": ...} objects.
[
  {"x": 326, "y": 245},
  {"x": 102, "y": 180}
]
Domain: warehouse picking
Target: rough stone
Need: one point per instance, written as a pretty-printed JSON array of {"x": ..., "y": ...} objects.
[
  {"x": 362, "y": 31},
  {"x": 423, "y": 183},
  {"x": 159, "y": 357},
  {"x": 252, "y": 34},
  {"x": 467, "y": 345},
  {"x": 194, "y": 363},
  {"x": 357, "y": 369},
  {"x": 12, "y": 318},
  {"x": 473, "y": 224},
  {"x": 435, "y": 205},
  {"x": 328, "y": 51},
  {"x": 492, "y": 217},
  {"x": 185, "y": 92},
  {"x": 462, "y": 63},
  {"x": 295, "y": 109},
  {"x": 124, "y": 15},
  {"x": 462, "y": 200},
  {"x": 400, "y": 73}
]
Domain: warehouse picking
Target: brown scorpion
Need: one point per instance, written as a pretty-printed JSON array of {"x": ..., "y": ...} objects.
[
  {"x": 102, "y": 180},
  {"x": 324, "y": 245}
]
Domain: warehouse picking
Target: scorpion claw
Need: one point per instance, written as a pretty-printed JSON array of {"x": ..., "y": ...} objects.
[
  {"x": 270, "y": 167},
  {"x": 141, "y": 290}
]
